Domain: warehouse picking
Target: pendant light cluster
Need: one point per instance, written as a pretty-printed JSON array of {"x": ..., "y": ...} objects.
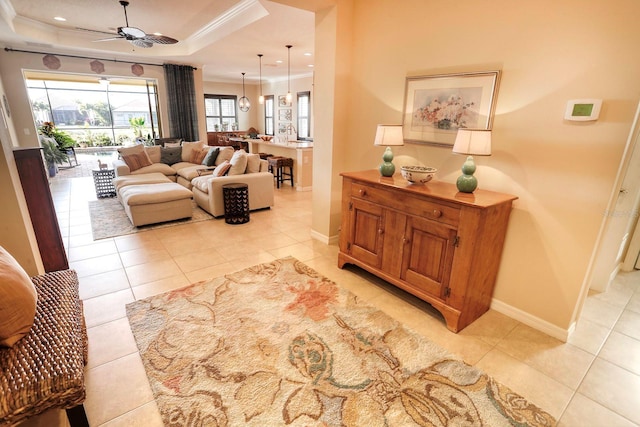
[{"x": 243, "y": 103}]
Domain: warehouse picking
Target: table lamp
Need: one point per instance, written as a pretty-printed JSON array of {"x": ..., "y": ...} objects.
[
  {"x": 472, "y": 142},
  {"x": 388, "y": 135}
]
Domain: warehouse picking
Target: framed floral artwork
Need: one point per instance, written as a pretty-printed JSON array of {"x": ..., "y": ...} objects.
[{"x": 435, "y": 107}]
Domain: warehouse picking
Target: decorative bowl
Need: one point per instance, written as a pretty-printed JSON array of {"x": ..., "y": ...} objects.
[
  {"x": 418, "y": 174},
  {"x": 266, "y": 137}
]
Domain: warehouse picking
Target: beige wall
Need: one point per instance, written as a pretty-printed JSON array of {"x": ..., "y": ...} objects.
[{"x": 549, "y": 52}]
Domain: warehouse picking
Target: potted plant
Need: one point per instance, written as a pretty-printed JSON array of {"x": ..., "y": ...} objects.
[{"x": 52, "y": 156}]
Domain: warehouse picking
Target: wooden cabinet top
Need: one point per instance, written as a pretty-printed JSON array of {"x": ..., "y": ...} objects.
[{"x": 435, "y": 189}]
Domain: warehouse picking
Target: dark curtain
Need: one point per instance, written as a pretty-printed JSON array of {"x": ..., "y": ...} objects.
[{"x": 183, "y": 115}]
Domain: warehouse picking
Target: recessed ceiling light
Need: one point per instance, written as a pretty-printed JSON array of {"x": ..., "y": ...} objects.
[
  {"x": 307, "y": 54},
  {"x": 59, "y": 18},
  {"x": 279, "y": 61},
  {"x": 310, "y": 65}
]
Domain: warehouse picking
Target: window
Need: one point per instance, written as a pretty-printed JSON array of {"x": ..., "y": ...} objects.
[
  {"x": 268, "y": 115},
  {"x": 304, "y": 107},
  {"x": 92, "y": 113},
  {"x": 221, "y": 112}
]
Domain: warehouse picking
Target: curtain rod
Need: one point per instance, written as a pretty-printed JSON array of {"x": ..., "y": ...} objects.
[{"x": 8, "y": 49}]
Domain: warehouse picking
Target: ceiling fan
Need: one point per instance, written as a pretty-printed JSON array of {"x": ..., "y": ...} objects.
[{"x": 134, "y": 35}]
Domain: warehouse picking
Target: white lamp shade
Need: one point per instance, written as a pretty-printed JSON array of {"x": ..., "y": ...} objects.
[
  {"x": 389, "y": 135},
  {"x": 476, "y": 142}
]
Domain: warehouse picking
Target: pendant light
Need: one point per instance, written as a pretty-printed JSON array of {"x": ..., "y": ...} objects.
[
  {"x": 289, "y": 97},
  {"x": 261, "y": 98},
  {"x": 243, "y": 103}
]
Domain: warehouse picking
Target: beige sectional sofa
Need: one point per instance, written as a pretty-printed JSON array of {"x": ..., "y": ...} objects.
[{"x": 189, "y": 171}]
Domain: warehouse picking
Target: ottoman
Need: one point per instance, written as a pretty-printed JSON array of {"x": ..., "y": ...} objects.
[{"x": 152, "y": 203}]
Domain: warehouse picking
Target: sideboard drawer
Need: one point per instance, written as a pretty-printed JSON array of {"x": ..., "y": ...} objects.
[{"x": 419, "y": 206}]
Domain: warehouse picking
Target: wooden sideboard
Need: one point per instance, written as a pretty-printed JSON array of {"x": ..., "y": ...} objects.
[{"x": 434, "y": 242}]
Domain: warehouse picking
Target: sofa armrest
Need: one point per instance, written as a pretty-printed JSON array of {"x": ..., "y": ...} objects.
[
  {"x": 261, "y": 193},
  {"x": 264, "y": 165},
  {"x": 121, "y": 167}
]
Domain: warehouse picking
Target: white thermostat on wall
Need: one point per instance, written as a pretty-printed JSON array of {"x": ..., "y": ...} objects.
[{"x": 583, "y": 110}]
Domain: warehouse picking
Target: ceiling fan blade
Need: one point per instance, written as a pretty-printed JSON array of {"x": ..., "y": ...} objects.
[
  {"x": 160, "y": 39},
  {"x": 96, "y": 31},
  {"x": 108, "y": 39},
  {"x": 141, "y": 43}
]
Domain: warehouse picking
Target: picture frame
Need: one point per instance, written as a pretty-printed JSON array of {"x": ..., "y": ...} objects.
[
  {"x": 282, "y": 101},
  {"x": 284, "y": 114},
  {"x": 436, "y": 106}
]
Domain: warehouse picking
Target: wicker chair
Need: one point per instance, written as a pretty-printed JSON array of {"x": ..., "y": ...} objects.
[{"x": 45, "y": 369}]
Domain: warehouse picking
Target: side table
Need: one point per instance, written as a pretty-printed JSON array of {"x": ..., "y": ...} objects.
[
  {"x": 103, "y": 180},
  {"x": 236, "y": 203}
]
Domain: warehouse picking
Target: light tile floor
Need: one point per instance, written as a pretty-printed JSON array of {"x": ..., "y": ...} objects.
[{"x": 593, "y": 380}]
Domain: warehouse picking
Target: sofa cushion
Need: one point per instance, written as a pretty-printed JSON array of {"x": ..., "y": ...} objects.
[
  {"x": 154, "y": 153},
  {"x": 198, "y": 155},
  {"x": 17, "y": 300},
  {"x": 170, "y": 155},
  {"x": 201, "y": 183},
  {"x": 187, "y": 147},
  {"x": 189, "y": 171},
  {"x": 253, "y": 163},
  {"x": 211, "y": 157},
  {"x": 156, "y": 167},
  {"x": 238, "y": 163},
  {"x": 225, "y": 153}
]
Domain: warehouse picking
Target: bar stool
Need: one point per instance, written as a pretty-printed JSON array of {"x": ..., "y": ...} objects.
[{"x": 276, "y": 167}]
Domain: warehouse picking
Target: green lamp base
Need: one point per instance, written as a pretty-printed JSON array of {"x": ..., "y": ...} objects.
[
  {"x": 387, "y": 168},
  {"x": 466, "y": 182}
]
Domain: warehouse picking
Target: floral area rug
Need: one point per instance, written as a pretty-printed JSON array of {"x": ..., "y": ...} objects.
[
  {"x": 278, "y": 344},
  {"x": 108, "y": 219}
]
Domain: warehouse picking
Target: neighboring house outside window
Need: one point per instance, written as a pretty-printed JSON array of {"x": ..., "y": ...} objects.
[
  {"x": 221, "y": 112},
  {"x": 304, "y": 114},
  {"x": 269, "y": 122}
]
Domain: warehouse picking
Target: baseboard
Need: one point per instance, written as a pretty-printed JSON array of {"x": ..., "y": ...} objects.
[
  {"x": 327, "y": 240},
  {"x": 300, "y": 188},
  {"x": 533, "y": 321}
]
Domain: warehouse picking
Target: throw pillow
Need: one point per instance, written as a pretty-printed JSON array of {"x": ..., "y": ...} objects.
[
  {"x": 222, "y": 168},
  {"x": 238, "y": 163},
  {"x": 253, "y": 163},
  {"x": 188, "y": 147},
  {"x": 137, "y": 160},
  {"x": 17, "y": 300},
  {"x": 197, "y": 156},
  {"x": 173, "y": 144},
  {"x": 171, "y": 155},
  {"x": 210, "y": 160}
]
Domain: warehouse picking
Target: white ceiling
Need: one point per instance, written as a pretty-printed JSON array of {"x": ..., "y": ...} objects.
[{"x": 223, "y": 37}]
